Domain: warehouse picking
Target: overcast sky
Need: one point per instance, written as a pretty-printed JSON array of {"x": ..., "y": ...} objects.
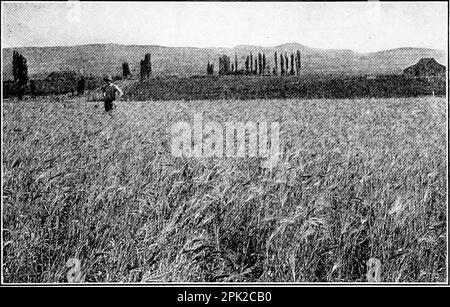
[{"x": 362, "y": 27}]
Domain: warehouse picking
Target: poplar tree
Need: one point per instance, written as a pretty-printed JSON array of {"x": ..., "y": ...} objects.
[
  {"x": 20, "y": 73},
  {"x": 292, "y": 65},
  {"x": 286, "y": 62},
  {"x": 299, "y": 62},
  {"x": 146, "y": 67},
  {"x": 264, "y": 63},
  {"x": 246, "y": 64},
  {"x": 20, "y": 68},
  {"x": 260, "y": 63},
  {"x": 276, "y": 64}
]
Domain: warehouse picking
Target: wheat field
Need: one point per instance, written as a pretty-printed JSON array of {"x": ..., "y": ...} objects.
[{"x": 358, "y": 179}]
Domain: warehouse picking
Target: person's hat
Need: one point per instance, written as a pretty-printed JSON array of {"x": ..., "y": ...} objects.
[{"x": 107, "y": 78}]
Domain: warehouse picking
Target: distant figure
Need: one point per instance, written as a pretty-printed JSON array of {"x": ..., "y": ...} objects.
[
  {"x": 109, "y": 93},
  {"x": 20, "y": 90},
  {"x": 81, "y": 85},
  {"x": 33, "y": 88}
]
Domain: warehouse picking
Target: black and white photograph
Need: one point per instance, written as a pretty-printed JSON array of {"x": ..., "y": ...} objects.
[{"x": 224, "y": 144}]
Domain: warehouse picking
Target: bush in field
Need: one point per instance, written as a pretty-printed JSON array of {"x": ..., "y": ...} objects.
[
  {"x": 210, "y": 69},
  {"x": 81, "y": 85},
  {"x": 33, "y": 88}
]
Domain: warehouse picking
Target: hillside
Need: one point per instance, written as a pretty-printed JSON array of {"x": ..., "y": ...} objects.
[{"x": 99, "y": 59}]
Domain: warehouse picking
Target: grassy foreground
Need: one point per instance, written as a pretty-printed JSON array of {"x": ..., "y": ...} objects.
[{"x": 358, "y": 179}]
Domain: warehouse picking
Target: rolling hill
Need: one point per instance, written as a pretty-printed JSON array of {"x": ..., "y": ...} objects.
[{"x": 100, "y": 59}]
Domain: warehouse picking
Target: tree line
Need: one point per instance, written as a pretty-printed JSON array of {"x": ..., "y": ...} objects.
[
  {"x": 22, "y": 84},
  {"x": 257, "y": 64},
  {"x": 284, "y": 64}
]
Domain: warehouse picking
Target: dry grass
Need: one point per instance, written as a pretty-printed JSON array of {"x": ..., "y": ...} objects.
[{"x": 359, "y": 179}]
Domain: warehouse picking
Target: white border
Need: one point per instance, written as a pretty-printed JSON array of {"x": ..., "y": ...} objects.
[{"x": 210, "y": 284}]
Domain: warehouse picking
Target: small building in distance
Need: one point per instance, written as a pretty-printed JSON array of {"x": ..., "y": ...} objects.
[
  {"x": 63, "y": 75},
  {"x": 426, "y": 67}
]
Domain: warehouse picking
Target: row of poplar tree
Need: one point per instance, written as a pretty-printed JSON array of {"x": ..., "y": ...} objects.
[
  {"x": 254, "y": 65},
  {"x": 284, "y": 64}
]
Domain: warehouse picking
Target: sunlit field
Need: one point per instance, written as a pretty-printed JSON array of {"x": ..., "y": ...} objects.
[{"x": 357, "y": 179}]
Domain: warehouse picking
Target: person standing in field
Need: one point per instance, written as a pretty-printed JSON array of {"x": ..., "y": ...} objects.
[
  {"x": 110, "y": 91},
  {"x": 33, "y": 88},
  {"x": 81, "y": 86}
]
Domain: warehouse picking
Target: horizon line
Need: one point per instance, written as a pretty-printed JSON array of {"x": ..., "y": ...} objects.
[{"x": 234, "y": 47}]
